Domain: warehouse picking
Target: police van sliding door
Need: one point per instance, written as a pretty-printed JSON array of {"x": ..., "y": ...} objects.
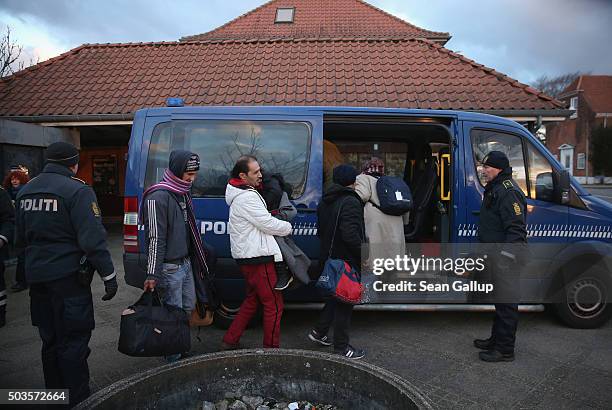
[{"x": 282, "y": 144}]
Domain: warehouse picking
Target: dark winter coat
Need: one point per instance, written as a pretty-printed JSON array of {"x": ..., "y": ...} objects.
[
  {"x": 502, "y": 214},
  {"x": 343, "y": 205},
  {"x": 59, "y": 222}
]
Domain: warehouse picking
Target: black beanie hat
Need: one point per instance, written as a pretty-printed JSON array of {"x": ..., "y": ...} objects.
[
  {"x": 344, "y": 175},
  {"x": 62, "y": 153},
  {"x": 496, "y": 159},
  {"x": 182, "y": 161}
]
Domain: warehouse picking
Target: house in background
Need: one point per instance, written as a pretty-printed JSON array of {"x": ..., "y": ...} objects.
[
  {"x": 590, "y": 96},
  {"x": 285, "y": 52}
]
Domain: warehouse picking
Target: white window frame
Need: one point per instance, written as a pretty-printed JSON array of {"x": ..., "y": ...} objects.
[
  {"x": 574, "y": 106},
  {"x": 581, "y": 160},
  {"x": 284, "y": 15}
]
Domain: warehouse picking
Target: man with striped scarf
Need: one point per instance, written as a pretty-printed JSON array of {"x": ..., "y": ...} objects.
[{"x": 176, "y": 255}]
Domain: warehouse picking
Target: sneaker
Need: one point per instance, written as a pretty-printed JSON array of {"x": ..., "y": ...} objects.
[
  {"x": 317, "y": 338},
  {"x": 351, "y": 353},
  {"x": 283, "y": 281}
]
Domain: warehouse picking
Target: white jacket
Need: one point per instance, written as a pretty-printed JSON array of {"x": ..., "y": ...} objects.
[{"x": 251, "y": 226}]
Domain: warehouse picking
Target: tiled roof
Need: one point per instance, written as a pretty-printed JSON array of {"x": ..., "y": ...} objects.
[
  {"x": 121, "y": 78},
  {"x": 317, "y": 19},
  {"x": 596, "y": 89}
]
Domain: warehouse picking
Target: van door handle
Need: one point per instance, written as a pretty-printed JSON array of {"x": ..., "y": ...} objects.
[
  {"x": 303, "y": 209},
  {"x": 476, "y": 212},
  {"x": 306, "y": 210}
]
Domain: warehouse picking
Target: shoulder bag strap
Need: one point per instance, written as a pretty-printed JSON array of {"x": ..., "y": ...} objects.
[{"x": 331, "y": 246}]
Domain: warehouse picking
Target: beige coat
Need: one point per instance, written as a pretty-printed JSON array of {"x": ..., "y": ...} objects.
[{"x": 385, "y": 233}]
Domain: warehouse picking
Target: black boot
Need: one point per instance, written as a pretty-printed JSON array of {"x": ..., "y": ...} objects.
[
  {"x": 496, "y": 356},
  {"x": 484, "y": 344}
]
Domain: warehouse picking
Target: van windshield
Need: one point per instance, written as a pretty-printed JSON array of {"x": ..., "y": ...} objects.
[{"x": 280, "y": 147}]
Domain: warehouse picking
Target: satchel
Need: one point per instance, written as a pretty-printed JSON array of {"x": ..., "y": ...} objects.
[
  {"x": 151, "y": 328},
  {"x": 339, "y": 279},
  {"x": 202, "y": 315}
]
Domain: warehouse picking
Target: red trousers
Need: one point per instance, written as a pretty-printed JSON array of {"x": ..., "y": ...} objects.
[{"x": 260, "y": 281}]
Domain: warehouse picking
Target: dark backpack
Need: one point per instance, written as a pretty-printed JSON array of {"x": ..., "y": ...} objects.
[{"x": 394, "y": 195}]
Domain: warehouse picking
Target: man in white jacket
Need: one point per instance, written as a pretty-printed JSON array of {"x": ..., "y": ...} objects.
[{"x": 252, "y": 229}]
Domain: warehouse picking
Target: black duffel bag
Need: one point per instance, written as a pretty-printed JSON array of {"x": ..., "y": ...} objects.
[{"x": 150, "y": 328}]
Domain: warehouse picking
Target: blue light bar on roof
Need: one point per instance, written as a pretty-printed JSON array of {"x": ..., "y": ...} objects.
[{"x": 175, "y": 102}]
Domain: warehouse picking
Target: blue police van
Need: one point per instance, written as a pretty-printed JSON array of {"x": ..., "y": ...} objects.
[{"x": 436, "y": 152}]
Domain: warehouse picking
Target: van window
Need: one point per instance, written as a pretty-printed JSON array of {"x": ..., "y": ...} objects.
[
  {"x": 540, "y": 170},
  {"x": 485, "y": 141},
  {"x": 280, "y": 147},
  {"x": 357, "y": 153}
]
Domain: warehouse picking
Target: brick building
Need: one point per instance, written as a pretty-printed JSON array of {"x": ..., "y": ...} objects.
[{"x": 590, "y": 98}]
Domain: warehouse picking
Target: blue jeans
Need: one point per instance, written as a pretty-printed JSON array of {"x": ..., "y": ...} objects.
[{"x": 177, "y": 286}]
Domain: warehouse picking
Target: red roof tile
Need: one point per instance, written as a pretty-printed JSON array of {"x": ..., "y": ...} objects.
[
  {"x": 384, "y": 73},
  {"x": 319, "y": 19},
  {"x": 596, "y": 89}
]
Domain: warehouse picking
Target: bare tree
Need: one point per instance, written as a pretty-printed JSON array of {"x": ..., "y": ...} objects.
[
  {"x": 553, "y": 86},
  {"x": 10, "y": 52}
]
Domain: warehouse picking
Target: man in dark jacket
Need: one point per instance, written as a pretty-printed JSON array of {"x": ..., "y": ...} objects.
[
  {"x": 341, "y": 232},
  {"x": 176, "y": 254},
  {"x": 59, "y": 224},
  {"x": 7, "y": 227},
  {"x": 502, "y": 221}
]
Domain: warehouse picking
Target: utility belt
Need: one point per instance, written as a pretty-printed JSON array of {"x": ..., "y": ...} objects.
[{"x": 85, "y": 273}]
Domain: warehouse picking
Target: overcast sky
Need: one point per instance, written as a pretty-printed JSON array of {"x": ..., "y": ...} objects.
[{"x": 521, "y": 38}]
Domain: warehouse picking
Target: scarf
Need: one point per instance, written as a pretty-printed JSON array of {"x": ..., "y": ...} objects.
[
  {"x": 242, "y": 184},
  {"x": 172, "y": 183}
]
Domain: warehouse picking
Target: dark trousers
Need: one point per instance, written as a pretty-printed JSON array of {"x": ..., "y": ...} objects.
[
  {"x": 63, "y": 312},
  {"x": 505, "y": 323},
  {"x": 20, "y": 272},
  {"x": 260, "y": 280},
  {"x": 339, "y": 314}
]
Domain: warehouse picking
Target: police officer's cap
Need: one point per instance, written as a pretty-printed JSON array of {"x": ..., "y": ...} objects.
[
  {"x": 496, "y": 159},
  {"x": 62, "y": 153}
]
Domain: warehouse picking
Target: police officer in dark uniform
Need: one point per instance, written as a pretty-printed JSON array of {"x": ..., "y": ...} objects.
[
  {"x": 59, "y": 224},
  {"x": 502, "y": 221}
]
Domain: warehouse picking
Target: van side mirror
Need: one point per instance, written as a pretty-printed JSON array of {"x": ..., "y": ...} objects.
[
  {"x": 545, "y": 187},
  {"x": 563, "y": 187}
]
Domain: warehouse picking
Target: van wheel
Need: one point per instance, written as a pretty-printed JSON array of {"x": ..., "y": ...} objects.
[
  {"x": 227, "y": 311},
  {"x": 585, "y": 304}
]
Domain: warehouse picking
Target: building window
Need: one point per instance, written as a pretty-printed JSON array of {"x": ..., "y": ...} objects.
[
  {"x": 574, "y": 106},
  {"x": 284, "y": 15},
  {"x": 581, "y": 161}
]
